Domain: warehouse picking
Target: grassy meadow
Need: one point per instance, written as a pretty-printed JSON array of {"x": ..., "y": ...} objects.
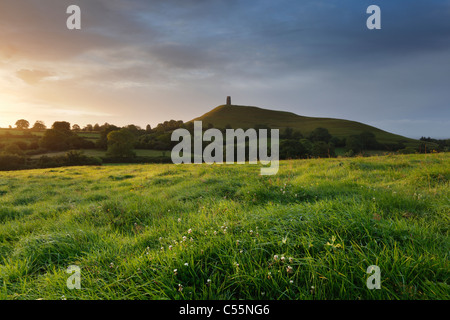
[{"x": 224, "y": 232}]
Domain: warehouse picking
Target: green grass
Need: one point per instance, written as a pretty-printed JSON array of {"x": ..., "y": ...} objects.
[
  {"x": 102, "y": 153},
  {"x": 249, "y": 117},
  {"x": 123, "y": 225},
  {"x": 14, "y": 135}
]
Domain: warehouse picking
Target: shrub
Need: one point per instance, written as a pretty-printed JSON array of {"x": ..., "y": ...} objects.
[{"x": 12, "y": 162}]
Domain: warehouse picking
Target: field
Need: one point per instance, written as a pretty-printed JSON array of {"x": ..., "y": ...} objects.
[
  {"x": 102, "y": 153},
  {"x": 225, "y": 232}
]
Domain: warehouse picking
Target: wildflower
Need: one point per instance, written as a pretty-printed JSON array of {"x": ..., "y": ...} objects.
[
  {"x": 175, "y": 271},
  {"x": 190, "y": 231},
  {"x": 215, "y": 232},
  {"x": 291, "y": 282},
  {"x": 251, "y": 232},
  {"x": 186, "y": 264},
  {"x": 291, "y": 260},
  {"x": 313, "y": 291},
  {"x": 63, "y": 297},
  {"x": 160, "y": 238},
  {"x": 240, "y": 251},
  {"x": 170, "y": 247},
  {"x": 282, "y": 259},
  {"x": 184, "y": 238},
  {"x": 208, "y": 282},
  {"x": 191, "y": 239},
  {"x": 275, "y": 257},
  {"x": 289, "y": 269},
  {"x": 237, "y": 242},
  {"x": 179, "y": 219},
  {"x": 269, "y": 275},
  {"x": 206, "y": 233},
  {"x": 111, "y": 265},
  {"x": 180, "y": 287},
  {"x": 162, "y": 248}
]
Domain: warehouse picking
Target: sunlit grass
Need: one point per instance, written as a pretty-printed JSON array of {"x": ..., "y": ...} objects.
[{"x": 225, "y": 232}]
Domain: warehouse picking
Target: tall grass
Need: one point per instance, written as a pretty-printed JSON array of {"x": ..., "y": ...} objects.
[{"x": 225, "y": 232}]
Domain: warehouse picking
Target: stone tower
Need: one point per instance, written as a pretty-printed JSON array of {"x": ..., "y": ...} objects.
[{"x": 228, "y": 101}]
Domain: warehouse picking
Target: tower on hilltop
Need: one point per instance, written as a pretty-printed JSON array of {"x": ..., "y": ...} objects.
[{"x": 228, "y": 101}]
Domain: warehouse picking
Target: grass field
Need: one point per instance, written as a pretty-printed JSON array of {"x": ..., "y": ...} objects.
[
  {"x": 225, "y": 232},
  {"x": 102, "y": 153}
]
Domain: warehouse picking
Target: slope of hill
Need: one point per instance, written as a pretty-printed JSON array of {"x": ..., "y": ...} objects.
[{"x": 248, "y": 117}]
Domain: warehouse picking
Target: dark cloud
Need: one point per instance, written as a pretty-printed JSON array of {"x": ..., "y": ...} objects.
[{"x": 314, "y": 58}]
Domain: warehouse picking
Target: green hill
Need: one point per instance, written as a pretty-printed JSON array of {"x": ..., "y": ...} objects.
[{"x": 248, "y": 117}]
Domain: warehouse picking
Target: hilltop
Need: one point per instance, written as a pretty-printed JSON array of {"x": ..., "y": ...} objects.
[{"x": 238, "y": 116}]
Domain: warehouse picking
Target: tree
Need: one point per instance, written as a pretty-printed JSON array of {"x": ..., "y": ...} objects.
[
  {"x": 22, "y": 124},
  {"x": 368, "y": 140},
  {"x": 13, "y": 149},
  {"x": 320, "y": 134},
  {"x": 134, "y": 129},
  {"x": 121, "y": 143},
  {"x": 321, "y": 149},
  {"x": 353, "y": 143},
  {"x": 39, "y": 126},
  {"x": 62, "y": 126},
  {"x": 88, "y": 128},
  {"x": 76, "y": 127},
  {"x": 287, "y": 134},
  {"x": 102, "y": 143},
  {"x": 55, "y": 140},
  {"x": 363, "y": 141},
  {"x": 148, "y": 128},
  {"x": 292, "y": 149},
  {"x": 96, "y": 127}
]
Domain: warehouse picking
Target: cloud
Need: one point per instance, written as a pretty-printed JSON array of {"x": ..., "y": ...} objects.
[
  {"x": 316, "y": 58},
  {"x": 32, "y": 77}
]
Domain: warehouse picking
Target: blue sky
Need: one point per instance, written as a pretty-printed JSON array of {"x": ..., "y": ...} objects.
[{"x": 142, "y": 62}]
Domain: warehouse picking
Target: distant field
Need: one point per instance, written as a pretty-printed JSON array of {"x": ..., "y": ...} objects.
[
  {"x": 225, "y": 232},
  {"x": 101, "y": 153},
  {"x": 19, "y": 135}
]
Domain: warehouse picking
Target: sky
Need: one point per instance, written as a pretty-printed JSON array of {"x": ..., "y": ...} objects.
[{"x": 146, "y": 61}]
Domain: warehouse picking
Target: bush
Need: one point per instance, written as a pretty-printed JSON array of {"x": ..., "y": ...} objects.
[
  {"x": 407, "y": 150},
  {"x": 121, "y": 143},
  {"x": 12, "y": 162}
]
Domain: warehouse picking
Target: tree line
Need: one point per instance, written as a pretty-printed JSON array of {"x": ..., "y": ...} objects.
[{"x": 120, "y": 143}]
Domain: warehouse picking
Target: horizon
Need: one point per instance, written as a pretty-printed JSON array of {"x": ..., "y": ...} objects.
[
  {"x": 142, "y": 126},
  {"x": 173, "y": 59}
]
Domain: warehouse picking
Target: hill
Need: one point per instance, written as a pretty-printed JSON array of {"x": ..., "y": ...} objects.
[{"x": 248, "y": 117}]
